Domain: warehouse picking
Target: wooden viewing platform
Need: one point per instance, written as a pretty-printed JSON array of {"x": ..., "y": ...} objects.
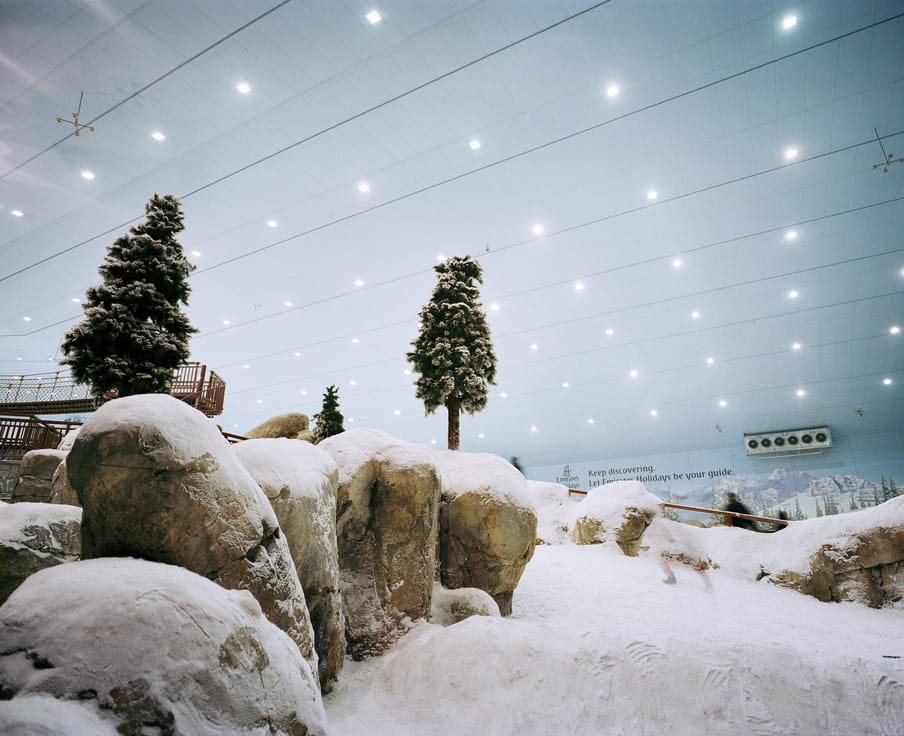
[{"x": 58, "y": 392}]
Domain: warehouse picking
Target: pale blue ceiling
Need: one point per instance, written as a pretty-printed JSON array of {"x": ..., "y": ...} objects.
[{"x": 711, "y": 95}]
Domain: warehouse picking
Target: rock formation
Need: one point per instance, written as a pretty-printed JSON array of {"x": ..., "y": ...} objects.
[
  {"x": 451, "y": 606},
  {"x": 291, "y": 426},
  {"x": 488, "y": 527},
  {"x": 34, "y": 536},
  {"x": 616, "y": 512},
  {"x": 386, "y": 524},
  {"x": 157, "y": 480},
  {"x": 35, "y": 472},
  {"x": 60, "y": 489},
  {"x": 301, "y": 480},
  {"x": 152, "y": 648}
]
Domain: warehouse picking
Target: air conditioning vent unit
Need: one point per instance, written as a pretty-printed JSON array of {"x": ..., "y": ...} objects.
[{"x": 788, "y": 441}]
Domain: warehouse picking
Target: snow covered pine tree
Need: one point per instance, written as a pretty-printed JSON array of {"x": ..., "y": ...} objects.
[
  {"x": 134, "y": 335},
  {"x": 329, "y": 419},
  {"x": 453, "y": 353}
]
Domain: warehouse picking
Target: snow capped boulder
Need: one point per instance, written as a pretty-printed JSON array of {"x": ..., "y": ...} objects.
[
  {"x": 677, "y": 541},
  {"x": 451, "y": 606},
  {"x": 615, "y": 512},
  {"x": 858, "y": 556},
  {"x": 34, "y": 536},
  {"x": 35, "y": 472},
  {"x": 301, "y": 480},
  {"x": 386, "y": 523},
  {"x": 61, "y": 491},
  {"x": 292, "y": 426},
  {"x": 157, "y": 480},
  {"x": 68, "y": 439},
  {"x": 554, "y": 508},
  {"x": 152, "y": 648},
  {"x": 41, "y": 715},
  {"x": 488, "y": 527}
]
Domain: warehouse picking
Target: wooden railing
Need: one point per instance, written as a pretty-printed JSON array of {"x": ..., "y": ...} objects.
[
  {"x": 19, "y": 435},
  {"x": 58, "y": 392},
  {"x": 729, "y": 515}
]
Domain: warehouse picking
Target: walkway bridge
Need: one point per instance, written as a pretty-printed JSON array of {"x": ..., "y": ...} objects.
[{"x": 58, "y": 392}]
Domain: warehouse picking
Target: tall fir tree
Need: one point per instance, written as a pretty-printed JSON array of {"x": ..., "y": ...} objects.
[
  {"x": 453, "y": 353},
  {"x": 818, "y": 510},
  {"x": 893, "y": 490},
  {"x": 853, "y": 506},
  {"x": 799, "y": 514},
  {"x": 329, "y": 419},
  {"x": 134, "y": 335}
]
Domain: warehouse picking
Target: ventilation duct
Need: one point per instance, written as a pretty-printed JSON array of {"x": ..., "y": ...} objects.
[{"x": 788, "y": 441}]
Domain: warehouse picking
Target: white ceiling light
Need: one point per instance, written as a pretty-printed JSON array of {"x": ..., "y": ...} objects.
[
  {"x": 633, "y": 373},
  {"x": 27, "y": 318},
  {"x": 76, "y": 300},
  {"x": 406, "y": 372},
  {"x": 795, "y": 346},
  {"x": 723, "y": 403},
  {"x": 610, "y": 331},
  {"x": 356, "y": 340},
  {"x": 246, "y": 366},
  {"x": 353, "y": 382},
  {"x": 533, "y": 428},
  {"x": 790, "y": 153},
  {"x": 260, "y": 401},
  {"x": 304, "y": 392},
  {"x": 374, "y": 17},
  {"x": 364, "y": 187},
  {"x": 18, "y": 358},
  {"x": 359, "y": 282},
  {"x": 440, "y": 258},
  {"x": 612, "y": 90},
  {"x": 652, "y": 194},
  {"x": 503, "y": 395},
  {"x": 537, "y": 229},
  {"x": 272, "y": 223},
  {"x": 579, "y": 286},
  {"x": 590, "y": 420},
  {"x": 227, "y": 322},
  {"x": 791, "y": 235},
  {"x": 243, "y": 87},
  {"x": 695, "y": 314},
  {"x": 474, "y": 144},
  {"x": 16, "y": 213},
  {"x": 89, "y": 175},
  {"x": 397, "y": 412},
  {"x": 564, "y": 384},
  {"x": 793, "y": 294},
  {"x": 534, "y": 346},
  {"x": 158, "y": 136},
  {"x": 677, "y": 263},
  {"x": 887, "y": 381},
  {"x": 287, "y": 303},
  {"x": 196, "y": 253},
  {"x": 800, "y": 392},
  {"x": 481, "y": 436},
  {"x": 495, "y": 306},
  {"x": 710, "y": 360},
  {"x": 297, "y": 354},
  {"x": 788, "y": 22},
  {"x": 654, "y": 413},
  {"x": 432, "y": 442},
  {"x": 894, "y": 329}
]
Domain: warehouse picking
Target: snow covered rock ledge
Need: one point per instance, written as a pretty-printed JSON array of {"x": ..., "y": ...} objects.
[
  {"x": 152, "y": 648},
  {"x": 157, "y": 480},
  {"x": 488, "y": 527},
  {"x": 35, "y": 474},
  {"x": 300, "y": 480},
  {"x": 386, "y": 520},
  {"x": 34, "y": 536},
  {"x": 616, "y": 512}
]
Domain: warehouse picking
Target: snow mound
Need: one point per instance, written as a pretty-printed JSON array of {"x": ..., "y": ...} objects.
[
  {"x": 354, "y": 448},
  {"x": 279, "y": 462},
  {"x": 483, "y": 472},
  {"x": 555, "y": 510},
  {"x": 41, "y": 715}
]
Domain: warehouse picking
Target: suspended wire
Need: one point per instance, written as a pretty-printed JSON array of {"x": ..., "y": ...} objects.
[
  {"x": 297, "y": 143},
  {"x": 144, "y": 89}
]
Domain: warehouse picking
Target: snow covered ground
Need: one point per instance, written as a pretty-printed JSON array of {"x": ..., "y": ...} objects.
[{"x": 597, "y": 644}]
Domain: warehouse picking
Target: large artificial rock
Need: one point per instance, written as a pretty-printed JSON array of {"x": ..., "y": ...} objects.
[
  {"x": 553, "y": 504},
  {"x": 857, "y": 556},
  {"x": 616, "y": 512},
  {"x": 34, "y": 536},
  {"x": 35, "y": 472},
  {"x": 153, "y": 648},
  {"x": 451, "y": 606},
  {"x": 291, "y": 426},
  {"x": 488, "y": 527},
  {"x": 61, "y": 491},
  {"x": 300, "y": 481},
  {"x": 157, "y": 480},
  {"x": 386, "y": 524}
]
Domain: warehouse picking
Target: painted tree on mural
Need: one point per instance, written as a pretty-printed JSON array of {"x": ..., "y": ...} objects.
[
  {"x": 453, "y": 353},
  {"x": 134, "y": 335}
]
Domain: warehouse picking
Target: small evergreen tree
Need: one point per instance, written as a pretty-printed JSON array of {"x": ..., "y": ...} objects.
[
  {"x": 799, "y": 514},
  {"x": 453, "y": 353},
  {"x": 831, "y": 508},
  {"x": 892, "y": 489},
  {"x": 329, "y": 419},
  {"x": 671, "y": 513},
  {"x": 818, "y": 510},
  {"x": 134, "y": 335},
  {"x": 853, "y": 506}
]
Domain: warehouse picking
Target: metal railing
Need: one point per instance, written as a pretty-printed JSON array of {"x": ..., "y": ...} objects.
[
  {"x": 19, "y": 435},
  {"x": 729, "y": 515}
]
